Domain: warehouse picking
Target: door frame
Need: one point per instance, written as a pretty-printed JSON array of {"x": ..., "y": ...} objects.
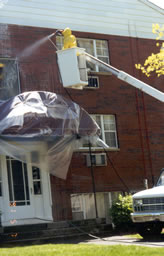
[
  {"x": 14, "y": 212},
  {"x": 41, "y": 205}
]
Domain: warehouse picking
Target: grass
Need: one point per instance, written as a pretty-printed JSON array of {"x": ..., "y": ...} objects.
[
  {"x": 81, "y": 250},
  {"x": 135, "y": 236}
]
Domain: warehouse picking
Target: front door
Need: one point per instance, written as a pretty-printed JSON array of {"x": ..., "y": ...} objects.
[
  {"x": 19, "y": 179},
  {"x": 25, "y": 195}
]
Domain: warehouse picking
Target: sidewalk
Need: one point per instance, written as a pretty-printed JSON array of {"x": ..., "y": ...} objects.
[{"x": 125, "y": 240}]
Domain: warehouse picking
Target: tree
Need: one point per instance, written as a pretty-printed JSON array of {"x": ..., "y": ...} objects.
[{"x": 155, "y": 62}]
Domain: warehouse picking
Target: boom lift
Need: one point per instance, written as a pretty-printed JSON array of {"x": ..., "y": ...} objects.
[{"x": 73, "y": 71}]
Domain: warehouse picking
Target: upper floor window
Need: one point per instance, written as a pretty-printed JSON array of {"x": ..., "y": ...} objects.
[
  {"x": 107, "y": 124},
  {"x": 97, "y": 48},
  {"x": 9, "y": 82}
]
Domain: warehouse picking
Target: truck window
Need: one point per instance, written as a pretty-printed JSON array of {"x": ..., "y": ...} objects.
[{"x": 160, "y": 181}]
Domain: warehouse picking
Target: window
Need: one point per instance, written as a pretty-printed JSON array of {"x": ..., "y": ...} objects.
[
  {"x": 9, "y": 83},
  {"x": 97, "y": 48},
  {"x": 83, "y": 205},
  {"x": 76, "y": 203},
  {"x": 96, "y": 159},
  {"x": 107, "y": 124},
  {"x": 18, "y": 182},
  {"x": 77, "y": 207},
  {"x": 36, "y": 181}
]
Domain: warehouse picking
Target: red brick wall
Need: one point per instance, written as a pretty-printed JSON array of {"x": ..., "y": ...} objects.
[
  {"x": 61, "y": 207},
  {"x": 140, "y": 118}
]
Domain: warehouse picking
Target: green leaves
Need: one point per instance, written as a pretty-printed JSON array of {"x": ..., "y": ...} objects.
[
  {"x": 120, "y": 212},
  {"x": 154, "y": 62}
]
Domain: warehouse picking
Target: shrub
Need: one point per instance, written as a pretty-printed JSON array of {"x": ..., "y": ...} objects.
[{"x": 120, "y": 213}]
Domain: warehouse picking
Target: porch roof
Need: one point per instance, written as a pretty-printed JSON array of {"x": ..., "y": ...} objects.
[{"x": 47, "y": 124}]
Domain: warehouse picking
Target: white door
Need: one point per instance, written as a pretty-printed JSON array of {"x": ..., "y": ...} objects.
[
  {"x": 20, "y": 190},
  {"x": 26, "y": 193}
]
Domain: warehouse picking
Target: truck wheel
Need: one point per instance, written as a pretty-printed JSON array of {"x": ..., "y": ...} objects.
[{"x": 150, "y": 230}]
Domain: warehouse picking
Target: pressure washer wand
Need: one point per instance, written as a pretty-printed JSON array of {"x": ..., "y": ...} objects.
[{"x": 57, "y": 32}]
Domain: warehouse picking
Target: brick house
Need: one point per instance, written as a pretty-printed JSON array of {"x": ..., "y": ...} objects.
[{"x": 131, "y": 122}]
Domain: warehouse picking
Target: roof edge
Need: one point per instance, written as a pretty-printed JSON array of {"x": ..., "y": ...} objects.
[{"x": 153, "y": 6}]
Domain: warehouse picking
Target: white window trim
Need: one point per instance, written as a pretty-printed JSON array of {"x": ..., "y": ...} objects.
[
  {"x": 95, "y": 53},
  {"x": 37, "y": 180},
  {"x": 10, "y": 170},
  {"x": 103, "y": 136}
]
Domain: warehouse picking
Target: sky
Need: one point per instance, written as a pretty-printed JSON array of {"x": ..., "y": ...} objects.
[{"x": 160, "y": 3}]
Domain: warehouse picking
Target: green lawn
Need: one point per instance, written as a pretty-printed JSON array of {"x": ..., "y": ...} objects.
[
  {"x": 81, "y": 250},
  {"x": 134, "y": 236}
]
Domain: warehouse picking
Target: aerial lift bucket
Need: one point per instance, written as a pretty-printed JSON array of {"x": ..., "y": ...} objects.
[{"x": 72, "y": 66}]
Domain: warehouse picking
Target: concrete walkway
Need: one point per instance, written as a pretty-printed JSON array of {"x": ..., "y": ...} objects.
[{"x": 126, "y": 240}]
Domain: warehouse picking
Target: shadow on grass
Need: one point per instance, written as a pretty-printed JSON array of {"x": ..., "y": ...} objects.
[
  {"x": 80, "y": 239},
  {"x": 42, "y": 241}
]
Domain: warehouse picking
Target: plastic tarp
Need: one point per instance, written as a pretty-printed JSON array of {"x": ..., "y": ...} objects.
[{"x": 43, "y": 129}]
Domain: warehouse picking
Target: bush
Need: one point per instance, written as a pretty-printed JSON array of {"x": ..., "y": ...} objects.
[{"x": 120, "y": 213}]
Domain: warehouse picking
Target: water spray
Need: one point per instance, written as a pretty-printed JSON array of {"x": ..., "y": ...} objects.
[
  {"x": 51, "y": 35},
  {"x": 49, "y": 38}
]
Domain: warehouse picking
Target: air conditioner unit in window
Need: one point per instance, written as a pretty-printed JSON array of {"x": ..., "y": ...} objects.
[
  {"x": 97, "y": 159},
  {"x": 93, "y": 82}
]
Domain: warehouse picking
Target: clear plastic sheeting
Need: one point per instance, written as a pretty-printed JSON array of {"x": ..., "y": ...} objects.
[{"x": 43, "y": 129}]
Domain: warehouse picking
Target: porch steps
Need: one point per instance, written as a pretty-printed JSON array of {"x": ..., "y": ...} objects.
[{"x": 51, "y": 231}]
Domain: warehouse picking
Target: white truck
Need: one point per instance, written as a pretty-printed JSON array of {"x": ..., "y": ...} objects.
[
  {"x": 148, "y": 209},
  {"x": 148, "y": 204}
]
